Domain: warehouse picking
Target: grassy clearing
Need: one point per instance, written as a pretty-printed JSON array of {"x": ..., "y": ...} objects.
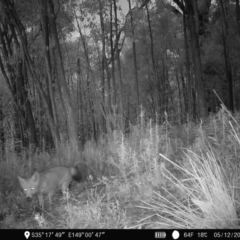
[{"x": 157, "y": 176}]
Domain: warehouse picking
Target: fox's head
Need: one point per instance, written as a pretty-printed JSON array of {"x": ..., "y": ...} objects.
[{"x": 30, "y": 186}]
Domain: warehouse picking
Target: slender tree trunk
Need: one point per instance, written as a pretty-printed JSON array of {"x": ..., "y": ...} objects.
[
  {"x": 189, "y": 105},
  {"x": 119, "y": 67},
  {"x": 105, "y": 66},
  {"x": 158, "y": 90},
  {"x": 90, "y": 91},
  {"x": 30, "y": 123},
  {"x": 185, "y": 93},
  {"x": 193, "y": 22},
  {"x": 180, "y": 97},
  {"x": 134, "y": 56},
  {"x": 227, "y": 57},
  {"x": 80, "y": 99},
  {"x": 2, "y": 134},
  {"x": 151, "y": 83},
  {"x": 101, "y": 67},
  {"x": 238, "y": 15},
  {"x": 45, "y": 34},
  {"x": 69, "y": 113},
  {"x": 112, "y": 56}
]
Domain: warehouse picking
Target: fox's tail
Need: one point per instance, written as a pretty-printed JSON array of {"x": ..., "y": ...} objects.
[{"x": 76, "y": 173}]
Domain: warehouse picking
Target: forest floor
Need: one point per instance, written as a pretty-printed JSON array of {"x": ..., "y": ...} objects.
[{"x": 156, "y": 177}]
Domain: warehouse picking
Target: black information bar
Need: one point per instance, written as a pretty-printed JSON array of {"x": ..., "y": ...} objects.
[{"x": 126, "y": 233}]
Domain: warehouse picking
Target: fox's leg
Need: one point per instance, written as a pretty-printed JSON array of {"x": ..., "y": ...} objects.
[
  {"x": 50, "y": 198},
  {"x": 41, "y": 202},
  {"x": 65, "y": 192},
  {"x": 65, "y": 186}
]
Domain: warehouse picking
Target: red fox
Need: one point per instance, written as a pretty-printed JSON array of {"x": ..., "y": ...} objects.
[{"x": 48, "y": 182}]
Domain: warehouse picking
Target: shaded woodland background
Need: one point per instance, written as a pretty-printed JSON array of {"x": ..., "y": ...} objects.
[
  {"x": 141, "y": 96},
  {"x": 76, "y": 70}
]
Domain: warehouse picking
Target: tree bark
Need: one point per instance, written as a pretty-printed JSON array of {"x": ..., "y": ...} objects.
[
  {"x": 90, "y": 90},
  {"x": 80, "y": 98},
  {"x": 21, "y": 36},
  {"x": 104, "y": 67},
  {"x": 2, "y": 133},
  {"x": 238, "y": 15},
  {"x": 67, "y": 106},
  {"x": 227, "y": 57},
  {"x": 180, "y": 97},
  {"x": 45, "y": 35},
  {"x": 134, "y": 57},
  {"x": 189, "y": 105},
  {"x": 119, "y": 67},
  {"x": 16, "y": 80},
  {"x": 158, "y": 90},
  {"x": 112, "y": 57},
  {"x": 193, "y": 21}
]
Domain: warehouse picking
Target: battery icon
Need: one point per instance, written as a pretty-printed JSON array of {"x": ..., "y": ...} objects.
[{"x": 160, "y": 234}]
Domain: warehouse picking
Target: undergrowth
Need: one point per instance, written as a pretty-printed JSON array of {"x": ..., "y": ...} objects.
[{"x": 156, "y": 176}]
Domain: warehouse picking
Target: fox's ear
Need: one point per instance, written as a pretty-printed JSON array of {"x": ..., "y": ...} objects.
[
  {"x": 21, "y": 180},
  {"x": 35, "y": 177}
]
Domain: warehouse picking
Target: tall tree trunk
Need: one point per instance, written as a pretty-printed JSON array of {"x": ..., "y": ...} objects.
[
  {"x": 17, "y": 85},
  {"x": 67, "y": 106},
  {"x": 80, "y": 98},
  {"x": 193, "y": 21},
  {"x": 158, "y": 90},
  {"x": 45, "y": 34},
  {"x": 134, "y": 57},
  {"x": 112, "y": 56},
  {"x": 227, "y": 57},
  {"x": 185, "y": 93},
  {"x": 104, "y": 67},
  {"x": 2, "y": 133},
  {"x": 180, "y": 93},
  {"x": 30, "y": 123},
  {"x": 189, "y": 105},
  {"x": 17, "y": 25},
  {"x": 238, "y": 15},
  {"x": 90, "y": 90},
  {"x": 119, "y": 67}
]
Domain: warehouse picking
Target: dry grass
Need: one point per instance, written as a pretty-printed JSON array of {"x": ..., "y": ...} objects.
[{"x": 159, "y": 176}]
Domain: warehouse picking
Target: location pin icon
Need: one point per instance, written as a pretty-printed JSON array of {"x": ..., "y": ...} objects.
[{"x": 27, "y": 234}]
